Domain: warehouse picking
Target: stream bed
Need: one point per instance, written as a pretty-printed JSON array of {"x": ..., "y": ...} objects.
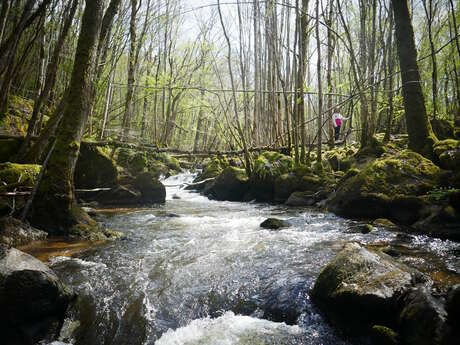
[{"x": 196, "y": 271}]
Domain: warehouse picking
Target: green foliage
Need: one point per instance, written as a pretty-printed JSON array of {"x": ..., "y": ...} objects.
[{"x": 439, "y": 194}]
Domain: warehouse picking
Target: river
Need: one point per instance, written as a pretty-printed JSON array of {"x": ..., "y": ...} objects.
[{"x": 196, "y": 271}]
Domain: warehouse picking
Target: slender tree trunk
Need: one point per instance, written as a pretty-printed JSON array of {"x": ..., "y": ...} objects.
[
  {"x": 255, "y": 127},
  {"x": 391, "y": 59},
  {"x": 320, "y": 93},
  {"x": 421, "y": 137},
  {"x": 235, "y": 105},
  {"x": 430, "y": 12},
  {"x": 126, "y": 125},
  {"x": 54, "y": 208},
  {"x": 199, "y": 124}
]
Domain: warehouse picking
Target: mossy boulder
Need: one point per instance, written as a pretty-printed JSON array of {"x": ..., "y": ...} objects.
[
  {"x": 268, "y": 168},
  {"x": 448, "y": 153},
  {"x": 231, "y": 185},
  {"x": 33, "y": 301},
  {"x": 136, "y": 162},
  {"x": 211, "y": 169},
  {"x": 9, "y": 148},
  {"x": 151, "y": 189},
  {"x": 15, "y": 233},
  {"x": 274, "y": 224},
  {"x": 340, "y": 158},
  {"x": 382, "y": 335},
  {"x": 306, "y": 198},
  {"x": 442, "y": 128},
  {"x": 388, "y": 187},
  {"x": 359, "y": 288},
  {"x": 422, "y": 319},
  {"x": 297, "y": 181},
  {"x": 94, "y": 169},
  {"x": 25, "y": 174}
]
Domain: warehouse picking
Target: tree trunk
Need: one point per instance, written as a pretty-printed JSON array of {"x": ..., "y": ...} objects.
[
  {"x": 320, "y": 93},
  {"x": 421, "y": 137},
  {"x": 54, "y": 208}
]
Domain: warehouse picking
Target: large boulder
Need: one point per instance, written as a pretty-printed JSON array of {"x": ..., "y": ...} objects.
[
  {"x": 389, "y": 187},
  {"x": 211, "y": 170},
  {"x": 15, "y": 233},
  {"x": 268, "y": 166},
  {"x": 231, "y": 185},
  {"x": 359, "y": 288},
  {"x": 422, "y": 319},
  {"x": 300, "y": 180},
  {"x": 443, "y": 129},
  {"x": 33, "y": 301},
  {"x": 448, "y": 153},
  {"x": 307, "y": 198},
  {"x": 94, "y": 169},
  {"x": 151, "y": 189}
]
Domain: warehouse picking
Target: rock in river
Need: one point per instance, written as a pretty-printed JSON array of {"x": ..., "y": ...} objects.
[
  {"x": 33, "y": 301},
  {"x": 274, "y": 223},
  {"x": 360, "y": 288}
]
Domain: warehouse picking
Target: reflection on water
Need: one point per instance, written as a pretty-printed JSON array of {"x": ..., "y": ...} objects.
[{"x": 195, "y": 271}]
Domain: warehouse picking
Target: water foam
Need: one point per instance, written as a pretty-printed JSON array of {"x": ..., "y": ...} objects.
[{"x": 228, "y": 329}]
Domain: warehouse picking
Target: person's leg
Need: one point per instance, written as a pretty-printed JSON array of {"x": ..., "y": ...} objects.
[{"x": 336, "y": 132}]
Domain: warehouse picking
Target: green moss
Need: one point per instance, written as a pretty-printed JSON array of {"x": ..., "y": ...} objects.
[
  {"x": 213, "y": 168},
  {"x": 382, "y": 335},
  {"x": 13, "y": 173},
  {"x": 272, "y": 164},
  {"x": 448, "y": 153}
]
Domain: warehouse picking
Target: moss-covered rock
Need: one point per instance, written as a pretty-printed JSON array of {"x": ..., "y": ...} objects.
[
  {"x": 25, "y": 174},
  {"x": 382, "y": 335},
  {"x": 268, "y": 169},
  {"x": 151, "y": 189},
  {"x": 211, "y": 169},
  {"x": 15, "y": 233},
  {"x": 274, "y": 224},
  {"x": 341, "y": 158},
  {"x": 442, "y": 128},
  {"x": 422, "y": 318},
  {"x": 8, "y": 149},
  {"x": 136, "y": 162},
  {"x": 231, "y": 185},
  {"x": 359, "y": 288},
  {"x": 16, "y": 119},
  {"x": 33, "y": 301},
  {"x": 388, "y": 187},
  {"x": 448, "y": 153},
  {"x": 94, "y": 169}
]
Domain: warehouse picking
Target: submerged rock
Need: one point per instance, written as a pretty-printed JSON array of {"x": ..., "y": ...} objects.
[
  {"x": 359, "y": 288},
  {"x": 33, "y": 301},
  {"x": 15, "y": 233},
  {"x": 274, "y": 224}
]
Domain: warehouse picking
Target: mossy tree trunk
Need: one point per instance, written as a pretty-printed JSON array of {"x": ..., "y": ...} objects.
[
  {"x": 421, "y": 137},
  {"x": 54, "y": 207}
]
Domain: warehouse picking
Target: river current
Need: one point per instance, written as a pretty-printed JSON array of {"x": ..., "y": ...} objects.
[{"x": 196, "y": 271}]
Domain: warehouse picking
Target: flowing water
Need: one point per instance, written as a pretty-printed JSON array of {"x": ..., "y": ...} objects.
[{"x": 196, "y": 271}]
